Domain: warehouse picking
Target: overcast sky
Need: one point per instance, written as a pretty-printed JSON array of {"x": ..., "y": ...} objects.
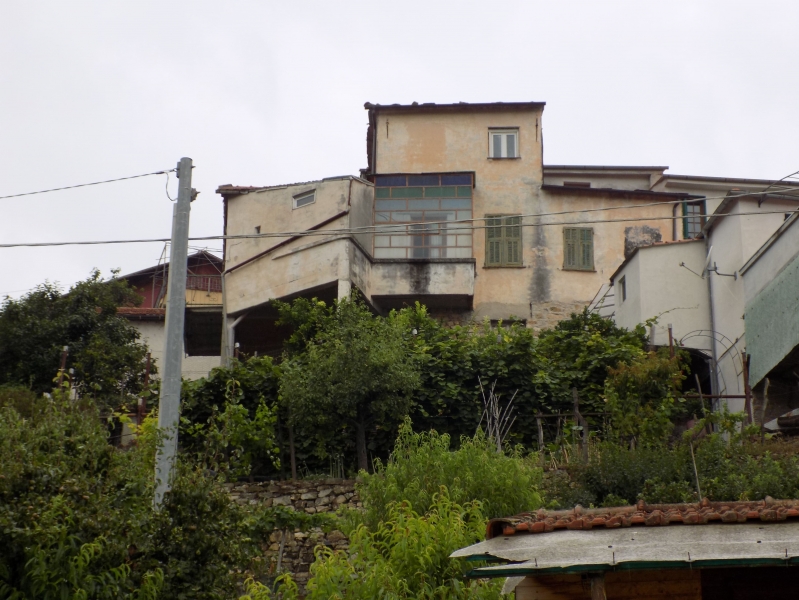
[{"x": 269, "y": 92}]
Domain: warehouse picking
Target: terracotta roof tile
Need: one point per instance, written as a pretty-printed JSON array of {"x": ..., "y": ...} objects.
[{"x": 648, "y": 515}]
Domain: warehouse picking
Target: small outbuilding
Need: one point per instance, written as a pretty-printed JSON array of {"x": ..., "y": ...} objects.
[{"x": 708, "y": 550}]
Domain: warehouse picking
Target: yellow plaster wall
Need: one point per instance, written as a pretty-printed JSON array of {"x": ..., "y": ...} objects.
[{"x": 541, "y": 290}]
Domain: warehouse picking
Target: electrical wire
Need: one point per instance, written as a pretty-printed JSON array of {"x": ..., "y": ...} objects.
[
  {"x": 387, "y": 229},
  {"x": 401, "y": 227},
  {"x": 370, "y": 228},
  {"x": 80, "y": 185}
]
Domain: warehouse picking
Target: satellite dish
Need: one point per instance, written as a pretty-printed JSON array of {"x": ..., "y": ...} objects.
[{"x": 707, "y": 262}]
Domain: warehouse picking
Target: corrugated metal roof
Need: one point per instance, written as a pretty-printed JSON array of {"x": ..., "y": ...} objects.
[{"x": 638, "y": 547}]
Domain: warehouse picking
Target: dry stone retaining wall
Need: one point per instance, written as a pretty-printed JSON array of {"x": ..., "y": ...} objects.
[
  {"x": 310, "y": 496},
  {"x": 293, "y": 551}
]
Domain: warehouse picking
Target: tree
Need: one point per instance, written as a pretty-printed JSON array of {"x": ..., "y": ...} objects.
[
  {"x": 505, "y": 483},
  {"x": 77, "y": 517},
  {"x": 104, "y": 350},
  {"x": 355, "y": 370}
]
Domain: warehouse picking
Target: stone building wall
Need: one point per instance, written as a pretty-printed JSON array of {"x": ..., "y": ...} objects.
[{"x": 546, "y": 315}]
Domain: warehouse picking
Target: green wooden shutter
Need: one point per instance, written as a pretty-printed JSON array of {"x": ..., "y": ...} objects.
[
  {"x": 578, "y": 248},
  {"x": 494, "y": 242},
  {"x": 569, "y": 248},
  {"x": 586, "y": 249},
  {"x": 513, "y": 241}
]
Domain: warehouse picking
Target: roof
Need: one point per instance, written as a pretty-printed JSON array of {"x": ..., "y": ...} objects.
[
  {"x": 733, "y": 196},
  {"x": 774, "y": 237},
  {"x": 654, "y": 536},
  {"x": 455, "y": 107},
  {"x": 637, "y": 248},
  {"x": 136, "y": 313},
  {"x": 619, "y": 192},
  {"x": 738, "y": 180},
  {"x": 642, "y": 514},
  {"x": 228, "y": 189},
  {"x": 211, "y": 258},
  {"x": 603, "y": 168}
]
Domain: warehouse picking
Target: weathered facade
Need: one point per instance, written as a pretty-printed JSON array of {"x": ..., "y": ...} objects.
[
  {"x": 696, "y": 285},
  {"x": 203, "y": 330},
  {"x": 456, "y": 210},
  {"x": 771, "y": 287}
]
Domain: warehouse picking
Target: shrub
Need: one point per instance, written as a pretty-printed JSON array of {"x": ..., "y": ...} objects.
[
  {"x": 77, "y": 517},
  {"x": 406, "y": 557},
  {"x": 422, "y": 462}
]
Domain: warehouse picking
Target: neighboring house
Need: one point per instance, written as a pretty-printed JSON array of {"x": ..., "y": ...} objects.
[
  {"x": 456, "y": 210},
  {"x": 696, "y": 285},
  {"x": 702, "y": 551},
  {"x": 203, "y": 325},
  {"x": 771, "y": 293}
]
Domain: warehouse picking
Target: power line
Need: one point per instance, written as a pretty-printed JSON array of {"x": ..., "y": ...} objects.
[
  {"x": 387, "y": 229},
  {"x": 401, "y": 227},
  {"x": 80, "y": 185}
]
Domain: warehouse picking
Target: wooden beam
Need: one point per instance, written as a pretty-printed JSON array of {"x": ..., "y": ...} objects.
[{"x": 598, "y": 586}]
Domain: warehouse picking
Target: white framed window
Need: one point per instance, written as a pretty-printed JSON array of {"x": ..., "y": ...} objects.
[
  {"x": 304, "y": 199},
  {"x": 503, "y": 143}
]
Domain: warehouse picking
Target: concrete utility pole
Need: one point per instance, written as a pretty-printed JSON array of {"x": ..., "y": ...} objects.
[{"x": 169, "y": 405}]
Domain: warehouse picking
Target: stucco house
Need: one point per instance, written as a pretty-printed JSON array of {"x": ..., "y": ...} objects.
[
  {"x": 699, "y": 286},
  {"x": 771, "y": 296},
  {"x": 203, "y": 324},
  {"x": 456, "y": 209}
]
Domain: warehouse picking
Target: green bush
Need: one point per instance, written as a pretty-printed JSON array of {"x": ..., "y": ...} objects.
[
  {"x": 406, "y": 557},
  {"x": 71, "y": 506},
  {"x": 423, "y": 462},
  {"x": 77, "y": 517}
]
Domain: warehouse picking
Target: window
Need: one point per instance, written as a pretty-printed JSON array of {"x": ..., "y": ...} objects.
[
  {"x": 503, "y": 143},
  {"x": 503, "y": 241},
  {"x": 578, "y": 248},
  {"x": 305, "y": 199},
  {"x": 693, "y": 219},
  {"x": 418, "y": 215},
  {"x": 623, "y": 288}
]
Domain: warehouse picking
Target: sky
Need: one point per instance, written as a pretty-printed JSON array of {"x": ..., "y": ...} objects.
[{"x": 270, "y": 92}]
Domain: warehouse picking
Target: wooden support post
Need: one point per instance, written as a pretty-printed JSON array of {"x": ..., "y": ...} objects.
[
  {"x": 598, "y": 586},
  {"x": 580, "y": 422},
  {"x": 671, "y": 342},
  {"x": 763, "y": 412},
  {"x": 62, "y": 368},
  {"x": 540, "y": 426},
  {"x": 747, "y": 390}
]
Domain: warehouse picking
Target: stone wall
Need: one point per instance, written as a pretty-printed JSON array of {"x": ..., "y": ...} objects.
[
  {"x": 310, "y": 496},
  {"x": 298, "y": 552},
  {"x": 293, "y": 551},
  {"x": 545, "y": 315}
]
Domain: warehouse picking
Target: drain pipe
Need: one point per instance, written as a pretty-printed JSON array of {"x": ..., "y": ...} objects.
[{"x": 714, "y": 377}]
